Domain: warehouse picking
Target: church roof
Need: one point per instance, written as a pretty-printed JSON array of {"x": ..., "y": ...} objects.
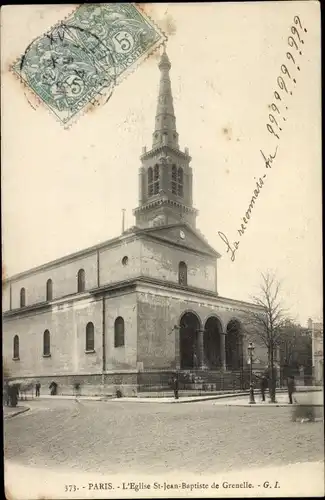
[
  {"x": 169, "y": 234},
  {"x": 183, "y": 235},
  {"x": 165, "y": 132}
]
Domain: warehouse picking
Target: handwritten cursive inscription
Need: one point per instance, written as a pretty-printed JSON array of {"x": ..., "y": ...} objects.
[
  {"x": 274, "y": 125},
  {"x": 287, "y": 80},
  {"x": 230, "y": 249}
]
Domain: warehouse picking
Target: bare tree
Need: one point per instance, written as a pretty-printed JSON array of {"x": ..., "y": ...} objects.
[
  {"x": 295, "y": 349},
  {"x": 267, "y": 322}
]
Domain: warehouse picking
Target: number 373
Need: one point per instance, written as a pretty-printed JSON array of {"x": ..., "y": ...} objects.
[{"x": 70, "y": 487}]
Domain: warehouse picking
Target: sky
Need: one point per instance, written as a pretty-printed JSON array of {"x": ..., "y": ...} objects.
[{"x": 64, "y": 190}]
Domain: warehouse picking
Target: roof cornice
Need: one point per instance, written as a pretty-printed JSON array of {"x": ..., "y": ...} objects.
[
  {"x": 127, "y": 286},
  {"x": 165, "y": 148}
]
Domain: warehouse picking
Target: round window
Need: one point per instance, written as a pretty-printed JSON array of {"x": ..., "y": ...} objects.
[{"x": 125, "y": 260}]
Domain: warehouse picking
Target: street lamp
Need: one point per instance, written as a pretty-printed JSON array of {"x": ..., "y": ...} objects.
[{"x": 251, "y": 348}]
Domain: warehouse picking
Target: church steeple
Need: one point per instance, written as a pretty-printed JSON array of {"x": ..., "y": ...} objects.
[
  {"x": 165, "y": 176},
  {"x": 165, "y": 122}
]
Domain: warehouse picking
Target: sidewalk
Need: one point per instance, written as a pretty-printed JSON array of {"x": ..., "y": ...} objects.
[
  {"x": 182, "y": 398},
  {"x": 226, "y": 398},
  {"x": 315, "y": 399},
  {"x": 145, "y": 397},
  {"x": 69, "y": 396}
]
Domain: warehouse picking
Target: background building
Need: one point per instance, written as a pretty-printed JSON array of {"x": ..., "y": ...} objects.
[{"x": 318, "y": 352}]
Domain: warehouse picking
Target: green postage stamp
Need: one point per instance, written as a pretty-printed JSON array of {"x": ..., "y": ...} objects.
[{"x": 79, "y": 61}]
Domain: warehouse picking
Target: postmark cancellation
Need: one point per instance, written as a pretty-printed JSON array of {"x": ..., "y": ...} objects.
[{"x": 79, "y": 61}]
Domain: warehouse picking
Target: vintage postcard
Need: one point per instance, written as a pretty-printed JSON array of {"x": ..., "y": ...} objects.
[{"x": 162, "y": 264}]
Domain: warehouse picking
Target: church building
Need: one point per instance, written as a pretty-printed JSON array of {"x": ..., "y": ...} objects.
[{"x": 127, "y": 313}]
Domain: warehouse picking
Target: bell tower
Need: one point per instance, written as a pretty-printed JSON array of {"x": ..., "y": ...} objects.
[{"x": 165, "y": 175}]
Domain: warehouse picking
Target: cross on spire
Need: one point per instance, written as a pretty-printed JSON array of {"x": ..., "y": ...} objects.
[{"x": 165, "y": 122}]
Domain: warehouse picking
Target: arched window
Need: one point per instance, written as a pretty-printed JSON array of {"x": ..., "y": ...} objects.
[
  {"x": 156, "y": 180},
  {"x": 174, "y": 179},
  {"x": 180, "y": 182},
  {"x": 46, "y": 343},
  {"x": 177, "y": 180},
  {"x": 182, "y": 273},
  {"x": 90, "y": 337},
  {"x": 119, "y": 332},
  {"x": 22, "y": 297},
  {"x": 49, "y": 290},
  {"x": 150, "y": 181},
  {"x": 81, "y": 280},
  {"x": 153, "y": 180},
  {"x": 16, "y": 347}
]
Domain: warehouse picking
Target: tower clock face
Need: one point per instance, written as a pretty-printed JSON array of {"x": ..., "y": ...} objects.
[{"x": 182, "y": 235}]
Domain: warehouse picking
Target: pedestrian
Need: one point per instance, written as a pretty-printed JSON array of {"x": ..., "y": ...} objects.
[
  {"x": 6, "y": 394},
  {"x": 291, "y": 388},
  {"x": 53, "y": 388},
  {"x": 175, "y": 386},
  {"x": 13, "y": 394},
  {"x": 264, "y": 385},
  {"x": 37, "y": 389}
]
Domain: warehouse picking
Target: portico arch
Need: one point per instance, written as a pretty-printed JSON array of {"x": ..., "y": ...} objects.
[
  {"x": 234, "y": 345},
  {"x": 212, "y": 343},
  {"x": 190, "y": 326}
]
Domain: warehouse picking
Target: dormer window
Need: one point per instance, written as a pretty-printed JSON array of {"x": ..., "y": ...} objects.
[
  {"x": 81, "y": 281},
  {"x": 182, "y": 273},
  {"x": 22, "y": 297},
  {"x": 49, "y": 290}
]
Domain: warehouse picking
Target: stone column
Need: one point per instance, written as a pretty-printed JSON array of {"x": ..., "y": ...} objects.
[
  {"x": 223, "y": 350},
  {"x": 201, "y": 349},
  {"x": 177, "y": 332},
  {"x": 142, "y": 193}
]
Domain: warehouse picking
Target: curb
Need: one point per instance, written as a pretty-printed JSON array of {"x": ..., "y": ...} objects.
[
  {"x": 15, "y": 413},
  {"x": 183, "y": 399},
  {"x": 272, "y": 405}
]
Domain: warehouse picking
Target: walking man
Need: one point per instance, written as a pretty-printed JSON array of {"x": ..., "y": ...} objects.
[
  {"x": 264, "y": 385},
  {"x": 291, "y": 388},
  {"x": 175, "y": 385},
  {"x": 37, "y": 389}
]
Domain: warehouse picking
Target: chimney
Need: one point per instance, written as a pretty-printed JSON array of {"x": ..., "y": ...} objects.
[{"x": 123, "y": 220}]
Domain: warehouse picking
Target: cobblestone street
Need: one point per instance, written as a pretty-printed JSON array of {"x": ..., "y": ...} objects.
[{"x": 115, "y": 437}]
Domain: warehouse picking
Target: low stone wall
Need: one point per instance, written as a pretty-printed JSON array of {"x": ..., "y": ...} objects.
[
  {"x": 89, "y": 385},
  {"x": 129, "y": 383},
  {"x": 205, "y": 380}
]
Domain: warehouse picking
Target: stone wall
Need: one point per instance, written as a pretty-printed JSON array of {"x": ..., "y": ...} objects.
[
  {"x": 66, "y": 323},
  {"x": 112, "y": 269},
  {"x": 124, "y": 357},
  {"x": 161, "y": 261},
  {"x": 67, "y": 326},
  {"x": 63, "y": 276}
]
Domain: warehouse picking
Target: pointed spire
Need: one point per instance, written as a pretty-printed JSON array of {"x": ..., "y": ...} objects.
[{"x": 165, "y": 122}]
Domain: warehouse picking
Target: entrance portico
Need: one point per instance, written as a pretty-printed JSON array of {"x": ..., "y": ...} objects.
[{"x": 209, "y": 347}]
